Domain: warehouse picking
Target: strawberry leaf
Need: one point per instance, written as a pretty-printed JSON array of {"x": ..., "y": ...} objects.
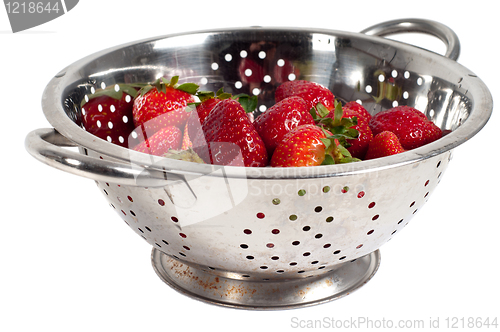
[
  {"x": 327, "y": 142},
  {"x": 322, "y": 110},
  {"x": 173, "y": 81},
  {"x": 129, "y": 89},
  {"x": 223, "y": 95},
  {"x": 338, "y": 113},
  {"x": 328, "y": 160},
  {"x": 190, "y": 88},
  {"x": 146, "y": 89},
  {"x": 249, "y": 103}
]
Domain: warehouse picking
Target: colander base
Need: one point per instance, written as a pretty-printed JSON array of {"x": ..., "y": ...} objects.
[{"x": 271, "y": 294}]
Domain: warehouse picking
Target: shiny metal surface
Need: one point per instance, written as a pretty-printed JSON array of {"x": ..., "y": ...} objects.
[
  {"x": 441, "y": 31},
  {"x": 200, "y": 284},
  {"x": 269, "y": 224}
]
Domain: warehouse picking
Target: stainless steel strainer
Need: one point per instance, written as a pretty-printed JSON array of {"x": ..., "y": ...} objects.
[{"x": 269, "y": 238}]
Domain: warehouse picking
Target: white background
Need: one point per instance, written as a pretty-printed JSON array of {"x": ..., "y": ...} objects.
[{"x": 69, "y": 263}]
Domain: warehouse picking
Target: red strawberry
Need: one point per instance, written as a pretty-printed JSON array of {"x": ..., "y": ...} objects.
[
  {"x": 161, "y": 142},
  {"x": 359, "y": 145},
  {"x": 384, "y": 144},
  {"x": 302, "y": 146},
  {"x": 163, "y": 104},
  {"x": 357, "y": 109},
  {"x": 411, "y": 126},
  {"x": 311, "y": 92},
  {"x": 108, "y": 114},
  {"x": 197, "y": 116},
  {"x": 279, "y": 119},
  {"x": 229, "y": 132}
]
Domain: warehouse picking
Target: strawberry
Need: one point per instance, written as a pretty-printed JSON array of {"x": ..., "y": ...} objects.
[
  {"x": 384, "y": 144},
  {"x": 311, "y": 92},
  {"x": 199, "y": 111},
  {"x": 309, "y": 145},
  {"x": 161, "y": 142},
  {"x": 411, "y": 126},
  {"x": 358, "y": 146},
  {"x": 302, "y": 146},
  {"x": 163, "y": 104},
  {"x": 229, "y": 133},
  {"x": 357, "y": 109},
  {"x": 108, "y": 114},
  {"x": 280, "y": 119}
]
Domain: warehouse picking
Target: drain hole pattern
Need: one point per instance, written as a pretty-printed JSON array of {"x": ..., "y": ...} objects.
[{"x": 315, "y": 246}]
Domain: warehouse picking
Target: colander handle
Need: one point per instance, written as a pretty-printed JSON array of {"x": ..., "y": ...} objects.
[
  {"x": 47, "y": 145},
  {"x": 436, "y": 29}
]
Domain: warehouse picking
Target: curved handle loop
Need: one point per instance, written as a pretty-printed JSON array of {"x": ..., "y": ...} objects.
[
  {"x": 47, "y": 145},
  {"x": 436, "y": 29}
]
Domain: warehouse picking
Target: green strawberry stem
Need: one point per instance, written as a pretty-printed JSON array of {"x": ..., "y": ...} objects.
[
  {"x": 337, "y": 131},
  {"x": 162, "y": 83}
]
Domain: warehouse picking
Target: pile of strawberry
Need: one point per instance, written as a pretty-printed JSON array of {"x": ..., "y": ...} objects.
[{"x": 306, "y": 126}]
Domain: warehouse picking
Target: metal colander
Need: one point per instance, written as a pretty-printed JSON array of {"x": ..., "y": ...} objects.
[{"x": 269, "y": 238}]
